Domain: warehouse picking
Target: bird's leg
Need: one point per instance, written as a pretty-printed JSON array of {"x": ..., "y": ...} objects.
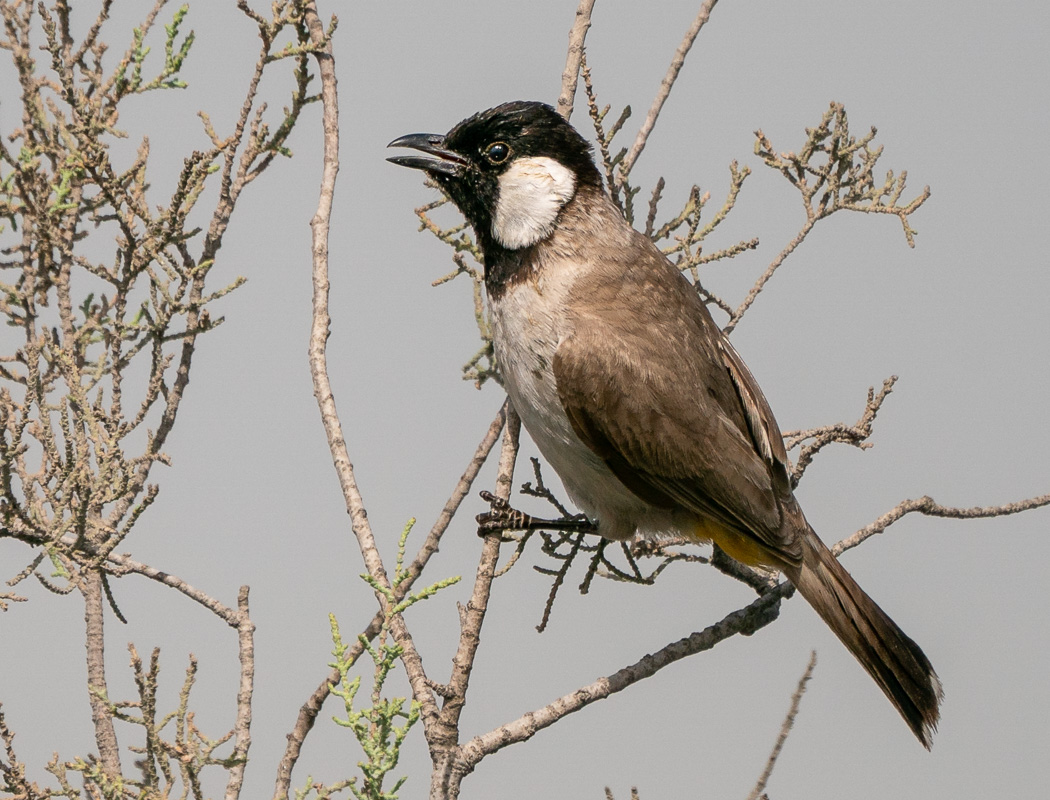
[{"x": 501, "y": 517}]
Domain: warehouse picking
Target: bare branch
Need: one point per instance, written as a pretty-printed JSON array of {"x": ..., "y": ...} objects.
[
  {"x": 687, "y": 251},
  {"x": 929, "y": 507},
  {"x": 856, "y": 434},
  {"x": 10, "y": 597},
  {"x": 443, "y": 737},
  {"x": 833, "y": 171},
  {"x": 785, "y": 729},
  {"x": 312, "y": 707},
  {"x": 452, "y": 505},
  {"x": 654, "y": 202},
  {"x": 570, "y": 75},
  {"x": 242, "y": 727},
  {"x": 122, "y": 564},
  {"x": 604, "y": 139},
  {"x": 665, "y": 86},
  {"x": 743, "y": 621},
  {"x": 319, "y": 370},
  {"x": 763, "y": 279},
  {"x": 105, "y": 735},
  {"x": 321, "y": 319}
]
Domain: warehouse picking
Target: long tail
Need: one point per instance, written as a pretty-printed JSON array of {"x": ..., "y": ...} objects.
[{"x": 896, "y": 663}]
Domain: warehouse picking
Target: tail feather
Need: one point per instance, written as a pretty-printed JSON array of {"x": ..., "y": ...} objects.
[{"x": 897, "y": 664}]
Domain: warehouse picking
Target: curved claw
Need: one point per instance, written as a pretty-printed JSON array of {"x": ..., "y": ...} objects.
[{"x": 501, "y": 517}]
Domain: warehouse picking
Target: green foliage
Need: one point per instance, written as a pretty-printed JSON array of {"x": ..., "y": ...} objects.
[
  {"x": 381, "y": 728},
  {"x": 173, "y": 60}
]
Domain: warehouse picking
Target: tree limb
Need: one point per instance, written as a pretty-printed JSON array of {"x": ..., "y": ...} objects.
[
  {"x": 574, "y": 56},
  {"x": 929, "y": 507},
  {"x": 98, "y": 693},
  {"x": 243, "y": 725},
  {"x": 744, "y": 621}
]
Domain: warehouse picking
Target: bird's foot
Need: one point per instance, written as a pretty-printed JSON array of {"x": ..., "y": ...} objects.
[{"x": 502, "y": 517}]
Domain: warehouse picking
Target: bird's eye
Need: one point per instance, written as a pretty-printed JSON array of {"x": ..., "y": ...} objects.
[{"x": 497, "y": 152}]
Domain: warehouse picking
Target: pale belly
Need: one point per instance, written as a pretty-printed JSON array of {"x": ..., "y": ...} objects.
[{"x": 527, "y": 328}]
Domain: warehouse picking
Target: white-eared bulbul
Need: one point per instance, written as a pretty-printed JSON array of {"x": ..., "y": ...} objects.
[{"x": 626, "y": 385}]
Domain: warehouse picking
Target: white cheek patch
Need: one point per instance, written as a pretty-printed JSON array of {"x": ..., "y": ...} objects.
[{"x": 531, "y": 193}]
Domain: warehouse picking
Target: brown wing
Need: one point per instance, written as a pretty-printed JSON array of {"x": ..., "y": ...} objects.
[
  {"x": 680, "y": 421},
  {"x": 769, "y": 441}
]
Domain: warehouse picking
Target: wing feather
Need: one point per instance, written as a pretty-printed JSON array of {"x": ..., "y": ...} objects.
[{"x": 691, "y": 430}]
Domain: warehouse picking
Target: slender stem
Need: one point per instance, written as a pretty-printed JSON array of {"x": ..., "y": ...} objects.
[
  {"x": 323, "y": 393},
  {"x": 785, "y": 729},
  {"x": 774, "y": 265},
  {"x": 474, "y": 615},
  {"x": 574, "y": 57},
  {"x": 931, "y": 508},
  {"x": 322, "y": 319},
  {"x": 448, "y": 755},
  {"x": 312, "y": 707},
  {"x": 125, "y": 564},
  {"x": 98, "y": 692},
  {"x": 665, "y": 86},
  {"x": 242, "y": 727},
  {"x": 743, "y": 621},
  {"x": 459, "y": 493}
]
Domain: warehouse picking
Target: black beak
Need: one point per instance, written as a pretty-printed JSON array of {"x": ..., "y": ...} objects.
[{"x": 444, "y": 161}]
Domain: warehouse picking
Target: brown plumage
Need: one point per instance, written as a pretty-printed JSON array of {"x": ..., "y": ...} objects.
[
  {"x": 683, "y": 424},
  {"x": 627, "y": 386}
]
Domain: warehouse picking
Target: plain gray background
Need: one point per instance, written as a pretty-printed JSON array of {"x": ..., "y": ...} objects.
[{"x": 958, "y": 91}]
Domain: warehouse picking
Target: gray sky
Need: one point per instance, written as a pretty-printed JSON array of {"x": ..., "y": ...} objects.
[{"x": 958, "y": 92}]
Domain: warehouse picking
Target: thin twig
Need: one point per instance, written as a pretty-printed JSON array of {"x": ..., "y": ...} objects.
[
  {"x": 763, "y": 279},
  {"x": 312, "y": 707},
  {"x": 785, "y": 729},
  {"x": 665, "y": 86},
  {"x": 243, "y": 726},
  {"x": 833, "y": 171},
  {"x": 856, "y": 434},
  {"x": 570, "y": 76},
  {"x": 443, "y": 737},
  {"x": 355, "y": 506},
  {"x": 931, "y": 508},
  {"x": 121, "y": 564}
]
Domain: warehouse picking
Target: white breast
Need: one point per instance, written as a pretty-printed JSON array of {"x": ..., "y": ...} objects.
[{"x": 528, "y": 323}]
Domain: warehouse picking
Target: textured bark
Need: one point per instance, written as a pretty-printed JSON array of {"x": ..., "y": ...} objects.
[{"x": 98, "y": 694}]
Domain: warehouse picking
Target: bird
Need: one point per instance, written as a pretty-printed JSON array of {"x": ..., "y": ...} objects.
[{"x": 628, "y": 387}]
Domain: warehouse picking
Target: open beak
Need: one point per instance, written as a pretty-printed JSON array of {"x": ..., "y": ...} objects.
[{"x": 437, "y": 160}]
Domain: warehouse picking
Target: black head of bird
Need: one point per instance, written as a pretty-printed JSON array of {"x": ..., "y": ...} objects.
[{"x": 509, "y": 169}]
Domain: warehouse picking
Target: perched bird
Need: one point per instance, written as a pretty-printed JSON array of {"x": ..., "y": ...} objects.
[{"x": 628, "y": 387}]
